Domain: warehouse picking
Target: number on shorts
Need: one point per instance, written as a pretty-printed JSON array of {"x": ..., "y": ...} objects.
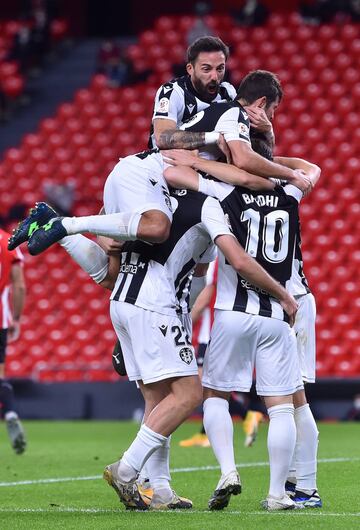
[{"x": 181, "y": 337}]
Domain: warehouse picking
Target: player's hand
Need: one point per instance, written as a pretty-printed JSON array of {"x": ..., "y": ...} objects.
[
  {"x": 180, "y": 157},
  {"x": 13, "y": 331},
  {"x": 290, "y": 306},
  {"x": 110, "y": 246},
  {"x": 258, "y": 119},
  {"x": 223, "y": 146},
  {"x": 302, "y": 181}
]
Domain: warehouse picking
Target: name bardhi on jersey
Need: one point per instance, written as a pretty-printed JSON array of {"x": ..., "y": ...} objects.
[{"x": 261, "y": 200}]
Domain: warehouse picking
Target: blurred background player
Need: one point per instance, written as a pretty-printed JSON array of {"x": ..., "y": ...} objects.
[{"x": 12, "y": 285}]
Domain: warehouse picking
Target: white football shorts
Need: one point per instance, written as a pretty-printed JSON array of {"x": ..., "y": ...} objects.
[
  {"x": 305, "y": 336},
  {"x": 240, "y": 343},
  {"x": 155, "y": 346},
  {"x": 137, "y": 185}
]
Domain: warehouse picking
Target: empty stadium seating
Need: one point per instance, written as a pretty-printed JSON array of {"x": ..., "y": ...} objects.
[{"x": 66, "y": 322}]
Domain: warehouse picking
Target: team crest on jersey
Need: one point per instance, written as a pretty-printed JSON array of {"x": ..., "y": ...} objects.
[
  {"x": 163, "y": 105},
  {"x": 186, "y": 355}
]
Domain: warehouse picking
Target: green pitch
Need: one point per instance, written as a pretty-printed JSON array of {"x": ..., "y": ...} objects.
[{"x": 57, "y": 483}]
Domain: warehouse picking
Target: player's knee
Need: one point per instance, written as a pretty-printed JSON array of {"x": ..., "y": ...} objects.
[
  {"x": 161, "y": 231},
  {"x": 154, "y": 227}
]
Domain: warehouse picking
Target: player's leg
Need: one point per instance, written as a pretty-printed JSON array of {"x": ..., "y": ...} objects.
[
  {"x": 153, "y": 362},
  {"x": 13, "y": 424},
  {"x": 277, "y": 378},
  {"x": 228, "y": 366},
  {"x": 135, "y": 207},
  {"x": 305, "y": 454},
  {"x": 199, "y": 439},
  {"x": 304, "y": 466}
]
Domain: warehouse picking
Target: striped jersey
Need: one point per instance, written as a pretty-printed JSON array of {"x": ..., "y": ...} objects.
[
  {"x": 266, "y": 225},
  {"x": 299, "y": 285},
  {"x": 8, "y": 258},
  {"x": 158, "y": 277},
  {"x": 178, "y": 101}
]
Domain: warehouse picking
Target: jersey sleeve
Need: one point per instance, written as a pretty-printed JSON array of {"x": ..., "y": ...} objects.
[
  {"x": 213, "y": 188},
  {"x": 234, "y": 124},
  {"x": 169, "y": 104},
  {"x": 214, "y": 220},
  {"x": 293, "y": 191}
]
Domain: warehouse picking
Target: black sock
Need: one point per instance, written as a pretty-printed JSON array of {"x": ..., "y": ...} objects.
[{"x": 6, "y": 396}]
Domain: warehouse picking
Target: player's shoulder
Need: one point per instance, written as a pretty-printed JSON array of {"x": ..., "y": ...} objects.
[{"x": 228, "y": 89}]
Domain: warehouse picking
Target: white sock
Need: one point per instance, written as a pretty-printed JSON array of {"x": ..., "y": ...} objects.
[
  {"x": 123, "y": 225},
  {"x": 306, "y": 448},
  {"x": 220, "y": 430},
  {"x": 145, "y": 443},
  {"x": 158, "y": 468},
  {"x": 281, "y": 444},
  {"x": 11, "y": 415},
  {"x": 88, "y": 254}
]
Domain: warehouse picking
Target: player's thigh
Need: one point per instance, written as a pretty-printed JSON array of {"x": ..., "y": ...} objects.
[
  {"x": 132, "y": 187},
  {"x": 305, "y": 336},
  {"x": 277, "y": 366},
  {"x": 120, "y": 313},
  {"x": 160, "y": 345},
  {"x": 229, "y": 359}
]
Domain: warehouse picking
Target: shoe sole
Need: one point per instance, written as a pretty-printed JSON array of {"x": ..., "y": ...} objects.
[
  {"x": 139, "y": 505},
  {"x": 222, "y": 498}
]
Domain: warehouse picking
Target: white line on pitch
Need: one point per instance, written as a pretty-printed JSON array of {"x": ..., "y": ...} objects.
[
  {"x": 175, "y": 470},
  {"x": 120, "y": 512}
]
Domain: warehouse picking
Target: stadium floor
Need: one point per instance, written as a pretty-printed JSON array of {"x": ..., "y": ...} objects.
[{"x": 57, "y": 483}]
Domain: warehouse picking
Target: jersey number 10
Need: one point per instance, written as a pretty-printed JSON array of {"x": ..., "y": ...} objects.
[{"x": 272, "y": 235}]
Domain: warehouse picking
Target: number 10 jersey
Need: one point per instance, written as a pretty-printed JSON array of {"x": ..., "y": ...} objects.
[{"x": 265, "y": 224}]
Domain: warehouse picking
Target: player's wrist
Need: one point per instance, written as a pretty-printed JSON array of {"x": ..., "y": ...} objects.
[{"x": 211, "y": 137}]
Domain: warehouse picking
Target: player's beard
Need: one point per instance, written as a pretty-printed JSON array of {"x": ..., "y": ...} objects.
[{"x": 206, "y": 92}]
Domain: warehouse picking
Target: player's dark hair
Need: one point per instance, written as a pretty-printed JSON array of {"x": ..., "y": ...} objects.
[
  {"x": 261, "y": 146},
  {"x": 260, "y": 83},
  {"x": 206, "y": 44}
]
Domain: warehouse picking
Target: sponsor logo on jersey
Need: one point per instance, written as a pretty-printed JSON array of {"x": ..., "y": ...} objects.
[
  {"x": 186, "y": 355},
  {"x": 163, "y": 105},
  {"x": 251, "y": 287},
  {"x": 193, "y": 120},
  {"x": 163, "y": 329},
  {"x": 130, "y": 268}
]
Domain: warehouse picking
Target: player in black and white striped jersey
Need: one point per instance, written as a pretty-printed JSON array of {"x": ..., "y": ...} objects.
[
  {"x": 155, "y": 345},
  {"x": 180, "y": 99},
  {"x": 266, "y": 224}
]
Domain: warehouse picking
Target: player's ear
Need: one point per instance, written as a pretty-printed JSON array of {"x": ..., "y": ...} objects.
[
  {"x": 262, "y": 102},
  {"x": 189, "y": 68}
]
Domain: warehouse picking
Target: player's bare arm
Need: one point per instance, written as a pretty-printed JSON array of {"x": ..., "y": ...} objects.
[
  {"x": 253, "y": 272},
  {"x": 245, "y": 158},
  {"x": 178, "y": 177},
  {"x": 312, "y": 171}
]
